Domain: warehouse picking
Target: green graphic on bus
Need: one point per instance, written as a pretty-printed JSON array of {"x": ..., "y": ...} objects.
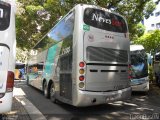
[{"x": 86, "y": 27}]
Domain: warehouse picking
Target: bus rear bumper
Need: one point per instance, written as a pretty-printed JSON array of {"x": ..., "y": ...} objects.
[
  {"x": 87, "y": 98},
  {"x": 142, "y": 87},
  {"x": 6, "y": 102}
]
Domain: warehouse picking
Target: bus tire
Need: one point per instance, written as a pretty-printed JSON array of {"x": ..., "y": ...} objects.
[
  {"x": 52, "y": 93},
  {"x": 45, "y": 90}
]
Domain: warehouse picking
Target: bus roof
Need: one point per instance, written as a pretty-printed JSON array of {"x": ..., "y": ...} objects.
[{"x": 136, "y": 47}]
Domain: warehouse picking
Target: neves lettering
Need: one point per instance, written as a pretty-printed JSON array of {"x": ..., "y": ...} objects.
[
  {"x": 100, "y": 19},
  {"x": 116, "y": 23}
]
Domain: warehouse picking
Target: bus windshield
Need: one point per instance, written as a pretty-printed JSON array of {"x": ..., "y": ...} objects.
[
  {"x": 104, "y": 20},
  {"x": 157, "y": 57},
  {"x": 4, "y": 15},
  {"x": 139, "y": 64}
]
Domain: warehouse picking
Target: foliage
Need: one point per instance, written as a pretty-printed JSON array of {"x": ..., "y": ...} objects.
[
  {"x": 139, "y": 29},
  {"x": 36, "y": 17},
  {"x": 150, "y": 73},
  {"x": 151, "y": 41},
  {"x": 21, "y": 55}
]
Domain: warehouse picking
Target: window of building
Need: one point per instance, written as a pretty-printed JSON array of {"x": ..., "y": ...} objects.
[
  {"x": 152, "y": 25},
  {"x": 157, "y": 13},
  {"x": 152, "y": 14},
  {"x": 158, "y": 25}
]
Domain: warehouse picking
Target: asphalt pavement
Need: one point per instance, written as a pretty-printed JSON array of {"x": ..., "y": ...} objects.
[{"x": 23, "y": 109}]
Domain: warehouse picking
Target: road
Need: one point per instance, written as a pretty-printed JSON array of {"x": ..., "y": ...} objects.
[{"x": 140, "y": 106}]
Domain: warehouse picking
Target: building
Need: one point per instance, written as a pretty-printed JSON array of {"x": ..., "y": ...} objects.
[{"x": 153, "y": 22}]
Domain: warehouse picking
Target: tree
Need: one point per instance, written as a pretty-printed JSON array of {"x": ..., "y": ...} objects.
[
  {"x": 21, "y": 55},
  {"x": 39, "y": 16},
  {"x": 27, "y": 23},
  {"x": 150, "y": 41},
  {"x": 137, "y": 31}
]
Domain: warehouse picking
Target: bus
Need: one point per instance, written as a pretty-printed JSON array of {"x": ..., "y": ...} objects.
[
  {"x": 7, "y": 53},
  {"x": 84, "y": 59},
  {"x": 19, "y": 72},
  {"x": 139, "y": 68},
  {"x": 156, "y": 68}
]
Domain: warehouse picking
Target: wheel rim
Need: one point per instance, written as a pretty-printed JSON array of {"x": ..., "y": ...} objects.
[
  {"x": 45, "y": 89},
  {"x": 52, "y": 93}
]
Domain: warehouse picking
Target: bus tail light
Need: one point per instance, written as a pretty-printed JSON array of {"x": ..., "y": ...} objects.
[
  {"x": 81, "y": 84},
  {"x": 130, "y": 71},
  {"x": 10, "y": 81},
  {"x": 129, "y": 77},
  {"x": 81, "y": 64},
  {"x": 81, "y": 71},
  {"x": 81, "y": 78}
]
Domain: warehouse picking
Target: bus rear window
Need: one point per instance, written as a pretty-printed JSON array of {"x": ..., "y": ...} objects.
[
  {"x": 104, "y": 20},
  {"x": 4, "y": 15}
]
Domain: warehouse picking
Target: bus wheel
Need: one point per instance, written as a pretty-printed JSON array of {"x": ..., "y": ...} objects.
[
  {"x": 45, "y": 90},
  {"x": 52, "y": 93}
]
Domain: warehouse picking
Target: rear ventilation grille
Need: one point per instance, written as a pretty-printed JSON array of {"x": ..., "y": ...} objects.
[{"x": 106, "y": 54}]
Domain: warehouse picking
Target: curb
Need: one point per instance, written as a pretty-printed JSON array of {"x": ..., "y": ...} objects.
[
  {"x": 29, "y": 109},
  {"x": 32, "y": 111}
]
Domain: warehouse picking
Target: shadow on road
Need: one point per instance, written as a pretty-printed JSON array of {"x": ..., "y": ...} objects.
[{"x": 140, "y": 103}]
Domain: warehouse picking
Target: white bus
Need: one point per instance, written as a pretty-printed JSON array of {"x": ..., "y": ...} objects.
[
  {"x": 84, "y": 58},
  {"x": 139, "y": 68},
  {"x": 7, "y": 54}
]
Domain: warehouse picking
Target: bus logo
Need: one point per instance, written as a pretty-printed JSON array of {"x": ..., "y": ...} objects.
[{"x": 86, "y": 27}]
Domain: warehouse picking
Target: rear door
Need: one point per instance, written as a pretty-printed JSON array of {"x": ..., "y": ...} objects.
[{"x": 4, "y": 64}]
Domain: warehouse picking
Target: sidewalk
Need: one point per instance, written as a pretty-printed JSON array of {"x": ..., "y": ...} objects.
[
  {"x": 18, "y": 111},
  {"x": 154, "y": 88},
  {"x": 22, "y": 108}
]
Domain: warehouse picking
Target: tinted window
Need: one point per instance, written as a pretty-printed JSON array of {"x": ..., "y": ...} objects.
[
  {"x": 61, "y": 31},
  {"x": 104, "y": 20},
  {"x": 157, "y": 57},
  {"x": 4, "y": 15},
  {"x": 19, "y": 66},
  {"x": 138, "y": 57},
  {"x": 139, "y": 64}
]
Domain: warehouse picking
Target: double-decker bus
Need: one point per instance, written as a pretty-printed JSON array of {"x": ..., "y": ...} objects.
[
  {"x": 139, "y": 68},
  {"x": 83, "y": 60},
  {"x": 7, "y": 53}
]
